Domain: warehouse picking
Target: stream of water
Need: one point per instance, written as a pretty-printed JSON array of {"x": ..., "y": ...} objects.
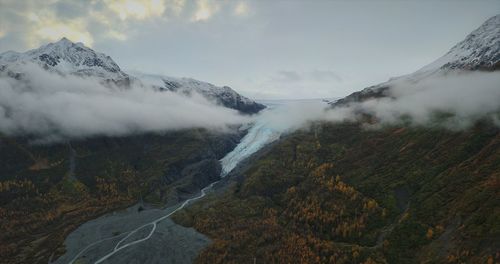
[{"x": 260, "y": 133}]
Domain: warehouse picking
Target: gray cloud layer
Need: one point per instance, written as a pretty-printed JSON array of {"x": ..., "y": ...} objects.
[
  {"x": 468, "y": 96},
  {"x": 453, "y": 101},
  {"x": 53, "y": 107},
  {"x": 50, "y": 107}
]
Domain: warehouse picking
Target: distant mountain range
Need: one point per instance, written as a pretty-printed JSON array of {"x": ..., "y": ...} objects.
[
  {"x": 334, "y": 193},
  {"x": 50, "y": 189},
  {"x": 67, "y": 58}
]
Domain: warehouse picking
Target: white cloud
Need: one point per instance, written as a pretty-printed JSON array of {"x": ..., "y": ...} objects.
[
  {"x": 87, "y": 22},
  {"x": 136, "y": 9},
  {"x": 51, "y": 107},
  {"x": 3, "y": 32},
  {"x": 117, "y": 35},
  {"x": 205, "y": 9},
  {"x": 35, "y": 23},
  {"x": 453, "y": 101},
  {"x": 467, "y": 96},
  {"x": 46, "y": 28},
  {"x": 241, "y": 9},
  {"x": 176, "y": 6}
]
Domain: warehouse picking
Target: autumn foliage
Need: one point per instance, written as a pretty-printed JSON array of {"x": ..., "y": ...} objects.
[{"x": 339, "y": 193}]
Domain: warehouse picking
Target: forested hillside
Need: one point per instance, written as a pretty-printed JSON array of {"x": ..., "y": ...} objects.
[
  {"x": 341, "y": 193},
  {"x": 46, "y": 191}
]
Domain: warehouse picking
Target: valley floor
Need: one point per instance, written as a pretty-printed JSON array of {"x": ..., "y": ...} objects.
[
  {"x": 49, "y": 191},
  {"x": 169, "y": 243},
  {"x": 148, "y": 235}
]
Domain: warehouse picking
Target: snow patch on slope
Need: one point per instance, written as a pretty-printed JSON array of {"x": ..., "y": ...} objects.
[
  {"x": 223, "y": 95},
  {"x": 479, "y": 50}
]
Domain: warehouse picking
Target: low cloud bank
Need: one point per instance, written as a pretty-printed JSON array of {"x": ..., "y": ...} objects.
[
  {"x": 51, "y": 107},
  {"x": 455, "y": 100},
  {"x": 287, "y": 116}
]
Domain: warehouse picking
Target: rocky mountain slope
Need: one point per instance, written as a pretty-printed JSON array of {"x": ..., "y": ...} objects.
[
  {"x": 344, "y": 194},
  {"x": 480, "y": 50},
  {"x": 223, "y": 95},
  {"x": 341, "y": 193},
  {"x": 65, "y": 57},
  {"x": 48, "y": 190}
]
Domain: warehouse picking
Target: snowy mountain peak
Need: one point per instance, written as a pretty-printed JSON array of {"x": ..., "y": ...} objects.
[
  {"x": 63, "y": 45},
  {"x": 65, "y": 41},
  {"x": 480, "y": 50},
  {"x": 66, "y": 57}
]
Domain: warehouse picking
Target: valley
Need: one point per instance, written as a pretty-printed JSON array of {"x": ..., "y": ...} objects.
[
  {"x": 124, "y": 235},
  {"x": 102, "y": 175},
  {"x": 101, "y": 163},
  {"x": 326, "y": 196}
]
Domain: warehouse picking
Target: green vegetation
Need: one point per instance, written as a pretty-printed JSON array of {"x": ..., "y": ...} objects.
[{"x": 340, "y": 193}]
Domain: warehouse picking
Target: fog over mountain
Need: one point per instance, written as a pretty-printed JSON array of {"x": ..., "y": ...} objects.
[
  {"x": 462, "y": 97},
  {"x": 454, "y": 91},
  {"x": 50, "y": 106},
  {"x": 467, "y": 96},
  {"x": 65, "y": 89},
  {"x": 126, "y": 133}
]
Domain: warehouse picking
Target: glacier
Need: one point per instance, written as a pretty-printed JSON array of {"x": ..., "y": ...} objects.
[
  {"x": 259, "y": 135},
  {"x": 279, "y": 117},
  {"x": 267, "y": 127}
]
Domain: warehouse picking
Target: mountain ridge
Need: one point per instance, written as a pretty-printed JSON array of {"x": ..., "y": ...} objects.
[
  {"x": 224, "y": 95},
  {"x": 348, "y": 192},
  {"x": 479, "y": 51},
  {"x": 67, "y": 58}
]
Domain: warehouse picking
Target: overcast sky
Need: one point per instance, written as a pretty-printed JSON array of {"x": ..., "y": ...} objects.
[{"x": 263, "y": 49}]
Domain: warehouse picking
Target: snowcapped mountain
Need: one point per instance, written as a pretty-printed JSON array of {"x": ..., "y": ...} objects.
[
  {"x": 65, "y": 57},
  {"x": 222, "y": 95},
  {"x": 480, "y": 50}
]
